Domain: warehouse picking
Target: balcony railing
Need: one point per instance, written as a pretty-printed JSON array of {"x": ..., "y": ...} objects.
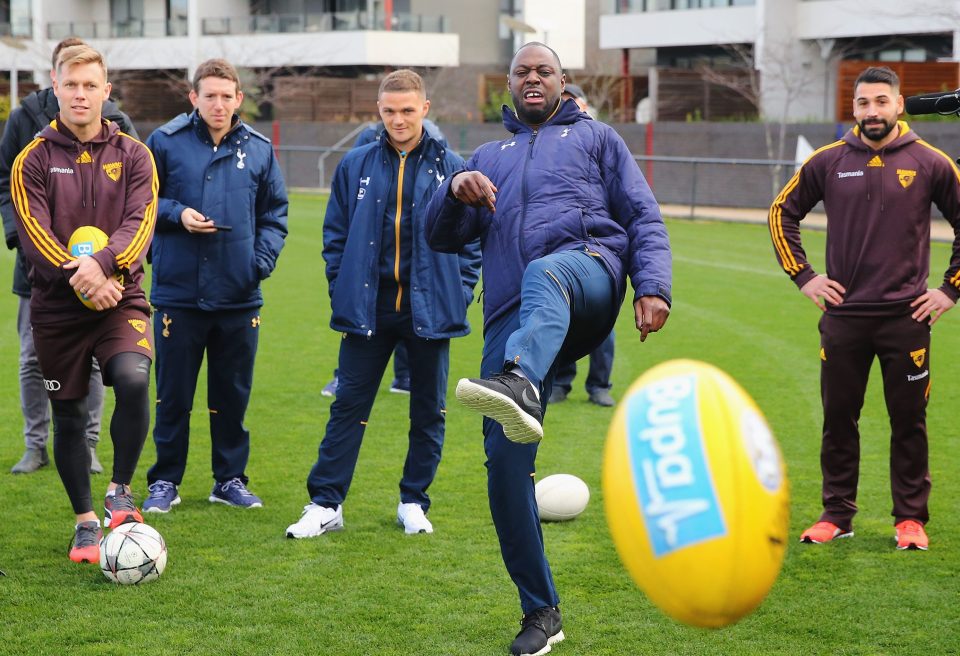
[
  {"x": 321, "y": 22},
  {"x": 269, "y": 24},
  {"x": 635, "y": 6},
  {"x": 117, "y": 30}
]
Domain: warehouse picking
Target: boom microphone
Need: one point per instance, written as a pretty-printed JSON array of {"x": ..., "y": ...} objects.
[{"x": 934, "y": 103}]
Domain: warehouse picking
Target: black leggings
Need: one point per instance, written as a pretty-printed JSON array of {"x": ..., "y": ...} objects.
[{"x": 129, "y": 375}]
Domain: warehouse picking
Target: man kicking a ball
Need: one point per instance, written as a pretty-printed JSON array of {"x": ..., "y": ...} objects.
[{"x": 564, "y": 216}]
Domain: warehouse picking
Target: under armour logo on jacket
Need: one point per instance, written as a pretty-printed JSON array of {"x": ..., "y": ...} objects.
[
  {"x": 566, "y": 131},
  {"x": 365, "y": 181},
  {"x": 507, "y": 145}
]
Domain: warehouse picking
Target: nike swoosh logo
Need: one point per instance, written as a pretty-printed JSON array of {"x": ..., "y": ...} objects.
[{"x": 525, "y": 396}]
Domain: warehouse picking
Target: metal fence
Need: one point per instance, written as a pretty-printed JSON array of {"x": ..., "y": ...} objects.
[
  {"x": 691, "y": 182},
  {"x": 696, "y": 182}
]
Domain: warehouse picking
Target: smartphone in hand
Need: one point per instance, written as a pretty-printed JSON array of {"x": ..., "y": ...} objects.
[{"x": 216, "y": 226}]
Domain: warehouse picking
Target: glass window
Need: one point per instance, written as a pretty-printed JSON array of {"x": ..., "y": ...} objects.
[
  {"x": 177, "y": 9},
  {"x": 122, "y": 11},
  {"x": 914, "y": 55},
  {"x": 15, "y": 18}
]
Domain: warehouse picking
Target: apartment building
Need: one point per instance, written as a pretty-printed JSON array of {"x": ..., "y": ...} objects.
[
  {"x": 802, "y": 50},
  {"x": 336, "y": 39}
]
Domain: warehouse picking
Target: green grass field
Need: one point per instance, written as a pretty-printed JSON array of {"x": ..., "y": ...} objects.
[{"x": 235, "y": 585}]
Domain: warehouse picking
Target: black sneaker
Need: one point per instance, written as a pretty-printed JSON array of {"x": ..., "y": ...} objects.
[
  {"x": 601, "y": 397},
  {"x": 508, "y": 399},
  {"x": 400, "y": 385},
  {"x": 541, "y": 629},
  {"x": 558, "y": 394}
]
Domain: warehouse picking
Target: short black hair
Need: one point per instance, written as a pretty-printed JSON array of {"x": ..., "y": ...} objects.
[
  {"x": 542, "y": 45},
  {"x": 878, "y": 75},
  {"x": 574, "y": 91}
]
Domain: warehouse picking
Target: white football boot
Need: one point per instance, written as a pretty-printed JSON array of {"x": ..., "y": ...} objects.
[
  {"x": 410, "y": 516},
  {"x": 316, "y": 520}
]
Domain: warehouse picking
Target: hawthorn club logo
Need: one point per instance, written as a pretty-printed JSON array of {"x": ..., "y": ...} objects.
[
  {"x": 113, "y": 170},
  {"x": 918, "y": 357},
  {"x": 906, "y": 178}
]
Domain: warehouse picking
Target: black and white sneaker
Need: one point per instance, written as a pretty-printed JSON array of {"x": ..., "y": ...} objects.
[
  {"x": 541, "y": 629},
  {"x": 509, "y": 399},
  {"x": 316, "y": 520}
]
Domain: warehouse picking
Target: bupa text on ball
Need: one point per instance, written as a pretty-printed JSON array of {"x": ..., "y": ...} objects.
[{"x": 669, "y": 467}]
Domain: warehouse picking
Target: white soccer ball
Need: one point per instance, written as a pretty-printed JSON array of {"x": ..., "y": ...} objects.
[
  {"x": 561, "y": 497},
  {"x": 133, "y": 553}
]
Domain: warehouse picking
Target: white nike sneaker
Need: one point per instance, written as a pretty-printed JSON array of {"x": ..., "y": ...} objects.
[
  {"x": 316, "y": 520},
  {"x": 410, "y": 516}
]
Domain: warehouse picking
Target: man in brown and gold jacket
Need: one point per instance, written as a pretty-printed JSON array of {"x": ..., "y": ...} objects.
[
  {"x": 877, "y": 185},
  {"x": 86, "y": 300}
]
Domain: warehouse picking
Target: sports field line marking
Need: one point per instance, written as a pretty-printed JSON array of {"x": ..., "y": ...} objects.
[{"x": 773, "y": 273}]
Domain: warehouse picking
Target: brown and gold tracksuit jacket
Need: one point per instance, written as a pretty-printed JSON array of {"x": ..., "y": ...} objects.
[
  {"x": 878, "y": 205},
  {"x": 59, "y": 184}
]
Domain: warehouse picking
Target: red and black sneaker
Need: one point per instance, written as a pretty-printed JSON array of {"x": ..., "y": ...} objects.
[
  {"x": 85, "y": 547},
  {"x": 119, "y": 508}
]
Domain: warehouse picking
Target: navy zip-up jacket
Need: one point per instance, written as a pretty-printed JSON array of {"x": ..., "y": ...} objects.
[
  {"x": 568, "y": 184},
  {"x": 239, "y": 184},
  {"x": 440, "y": 286}
]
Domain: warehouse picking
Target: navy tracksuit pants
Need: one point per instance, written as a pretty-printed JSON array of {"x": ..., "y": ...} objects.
[
  {"x": 598, "y": 377},
  {"x": 361, "y": 366},
  {"x": 567, "y": 305},
  {"x": 229, "y": 339}
]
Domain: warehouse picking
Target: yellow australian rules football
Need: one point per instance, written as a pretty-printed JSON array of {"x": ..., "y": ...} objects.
[
  {"x": 86, "y": 240},
  {"x": 696, "y": 493}
]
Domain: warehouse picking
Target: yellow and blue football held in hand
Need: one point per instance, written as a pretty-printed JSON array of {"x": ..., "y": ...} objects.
[
  {"x": 696, "y": 493},
  {"x": 86, "y": 240}
]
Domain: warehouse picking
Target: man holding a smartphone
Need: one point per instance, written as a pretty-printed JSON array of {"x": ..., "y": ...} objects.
[{"x": 221, "y": 223}]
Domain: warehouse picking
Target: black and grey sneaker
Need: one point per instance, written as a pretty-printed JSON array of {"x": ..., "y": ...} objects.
[
  {"x": 541, "y": 629},
  {"x": 601, "y": 397},
  {"x": 32, "y": 460},
  {"x": 509, "y": 399}
]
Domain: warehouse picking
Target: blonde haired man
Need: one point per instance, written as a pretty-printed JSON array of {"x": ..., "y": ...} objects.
[
  {"x": 83, "y": 171},
  {"x": 35, "y": 113}
]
